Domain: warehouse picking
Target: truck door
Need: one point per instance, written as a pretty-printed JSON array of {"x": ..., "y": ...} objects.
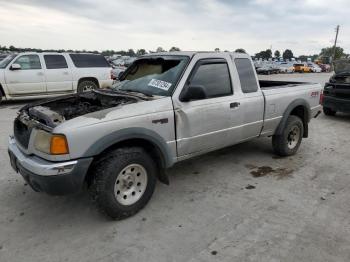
[
  {"x": 252, "y": 100},
  {"x": 58, "y": 75},
  {"x": 28, "y": 79},
  {"x": 206, "y": 124}
]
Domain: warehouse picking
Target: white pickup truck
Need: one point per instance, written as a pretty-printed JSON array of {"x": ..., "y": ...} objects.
[
  {"x": 168, "y": 107},
  {"x": 38, "y": 75}
]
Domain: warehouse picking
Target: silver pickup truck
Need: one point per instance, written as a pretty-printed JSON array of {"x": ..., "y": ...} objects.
[{"x": 167, "y": 107}]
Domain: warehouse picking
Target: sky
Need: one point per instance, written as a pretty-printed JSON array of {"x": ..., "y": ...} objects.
[{"x": 304, "y": 26}]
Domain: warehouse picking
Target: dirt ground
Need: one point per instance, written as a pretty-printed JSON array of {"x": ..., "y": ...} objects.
[{"x": 241, "y": 203}]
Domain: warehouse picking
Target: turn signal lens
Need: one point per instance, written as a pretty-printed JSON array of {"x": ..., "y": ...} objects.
[{"x": 59, "y": 145}]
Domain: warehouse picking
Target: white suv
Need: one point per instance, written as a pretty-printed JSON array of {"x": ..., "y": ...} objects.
[{"x": 38, "y": 75}]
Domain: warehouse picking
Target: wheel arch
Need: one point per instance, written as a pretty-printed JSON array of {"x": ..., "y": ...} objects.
[
  {"x": 90, "y": 78},
  {"x": 150, "y": 141},
  {"x": 300, "y": 108}
]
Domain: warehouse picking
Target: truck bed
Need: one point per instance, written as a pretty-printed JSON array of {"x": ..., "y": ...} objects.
[
  {"x": 268, "y": 84},
  {"x": 279, "y": 94}
]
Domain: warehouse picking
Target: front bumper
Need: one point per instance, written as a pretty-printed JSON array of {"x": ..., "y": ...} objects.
[
  {"x": 55, "y": 178},
  {"x": 337, "y": 104}
]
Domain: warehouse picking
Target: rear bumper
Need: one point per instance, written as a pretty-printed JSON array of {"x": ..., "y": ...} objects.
[
  {"x": 54, "y": 178},
  {"x": 337, "y": 104}
]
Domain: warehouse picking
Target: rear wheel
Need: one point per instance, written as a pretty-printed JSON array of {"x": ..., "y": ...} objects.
[
  {"x": 329, "y": 112},
  {"x": 124, "y": 181},
  {"x": 288, "y": 142},
  {"x": 86, "y": 85}
]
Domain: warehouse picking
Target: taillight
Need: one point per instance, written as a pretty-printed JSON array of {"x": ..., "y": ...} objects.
[{"x": 321, "y": 98}]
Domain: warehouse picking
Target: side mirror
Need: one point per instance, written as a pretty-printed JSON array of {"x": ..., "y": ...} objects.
[
  {"x": 15, "y": 67},
  {"x": 193, "y": 92}
]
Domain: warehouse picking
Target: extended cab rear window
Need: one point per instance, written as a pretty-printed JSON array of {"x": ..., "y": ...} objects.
[
  {"x": 88, "y": 60},
  {"x": 246, "y": 75}
]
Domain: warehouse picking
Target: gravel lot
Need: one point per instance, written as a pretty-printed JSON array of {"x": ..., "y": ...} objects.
[{"x": 238, "y": 204}]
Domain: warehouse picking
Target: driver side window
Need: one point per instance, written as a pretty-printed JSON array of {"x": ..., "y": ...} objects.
[
  {"x": 214, "y": 77},
  {"x": 28, "y": 62}
]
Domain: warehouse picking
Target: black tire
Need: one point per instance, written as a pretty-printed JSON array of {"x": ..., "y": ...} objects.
[
  {"x": 0, "y": 97},
  {"x": 86, "y": 85},
  {"x": 106, "y": 173},
  {"x": 288, "y": 144},
  {"x": 329, "y": 112}
]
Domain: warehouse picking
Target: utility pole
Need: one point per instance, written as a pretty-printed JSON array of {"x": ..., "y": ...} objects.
[{"x": 335, "y": 42}]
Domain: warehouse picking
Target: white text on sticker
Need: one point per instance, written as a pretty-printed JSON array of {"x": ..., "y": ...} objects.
[{"x": 160, "y": 84}]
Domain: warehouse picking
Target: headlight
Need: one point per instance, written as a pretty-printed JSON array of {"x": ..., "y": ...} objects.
[{"x": 53, "y": 144}]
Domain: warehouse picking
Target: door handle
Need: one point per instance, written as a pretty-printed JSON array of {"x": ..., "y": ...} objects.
[
  {"x": 40, "y": 73},
  {"x": 234, "y": 104},
  {"x": 65, "y": 73}
]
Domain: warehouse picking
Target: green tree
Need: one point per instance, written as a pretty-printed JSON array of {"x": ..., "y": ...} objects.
[
  {"x": 288, "y": 54},
  {"x": 160, "y": 49},
  {"x": 240, "y": 50},
  {"x": 131, "y": 52},
  {"x": 174, "y": 48},
  {"x": 12, "y": 48},
  {"x": 141, "y": 52},
  {"x": 267, "y": 54},
  {"x": 277, "y": 54},
  {"x": 328, "y": 52},
  {"x": 303, "y": 58}
]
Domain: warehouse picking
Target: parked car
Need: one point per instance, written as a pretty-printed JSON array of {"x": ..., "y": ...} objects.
[
  {"x": 286, "y": 67},
  {"x": 38, "y": 75},
  {"x": 302, "y": 68},
  {"x": 116, "y": 71},
  {"x": 3, "y": 56},
  {"x": 336, "y": 93},
  {"x": 267, "y": 69},
  {"x": 325, "y": 68},
  {"x": 167, "y": 108},
  {"x": 314, "y": 68}
]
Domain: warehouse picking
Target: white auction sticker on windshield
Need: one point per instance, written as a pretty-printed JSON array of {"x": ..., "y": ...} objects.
[{"x": 160, "y": 84}]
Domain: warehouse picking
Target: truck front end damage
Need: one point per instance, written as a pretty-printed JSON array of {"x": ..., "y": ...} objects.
[{"x": 40, "y": 155}]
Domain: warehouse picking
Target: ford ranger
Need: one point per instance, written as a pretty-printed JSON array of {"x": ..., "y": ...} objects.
[{"x": 167, "y": 107}]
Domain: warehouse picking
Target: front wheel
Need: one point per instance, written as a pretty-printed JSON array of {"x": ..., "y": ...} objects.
[
  {"x": 124, "y": 181},
  {"x": 288, "y": 142}
]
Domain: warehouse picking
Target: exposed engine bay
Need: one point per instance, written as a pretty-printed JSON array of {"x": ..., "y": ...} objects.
[{"x": 51, "y": 113}]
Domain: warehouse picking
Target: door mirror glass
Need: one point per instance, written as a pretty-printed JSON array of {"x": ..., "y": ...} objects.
[
  {"x": 193, "y": 92},
  {"x": 15, "y": 67}
]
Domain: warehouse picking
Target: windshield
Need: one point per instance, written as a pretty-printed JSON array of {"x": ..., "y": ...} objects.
[
  {"x": 342, "y": 66},
  {"x": 153, "y": 75},
  {"x": 6, "y": 61}
]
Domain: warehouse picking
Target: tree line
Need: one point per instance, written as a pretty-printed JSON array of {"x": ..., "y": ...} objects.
[
  {"x": 326, "y": 52},
  {"x": 265, "y": 54},
  {"x": 129, "y": 52}
]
